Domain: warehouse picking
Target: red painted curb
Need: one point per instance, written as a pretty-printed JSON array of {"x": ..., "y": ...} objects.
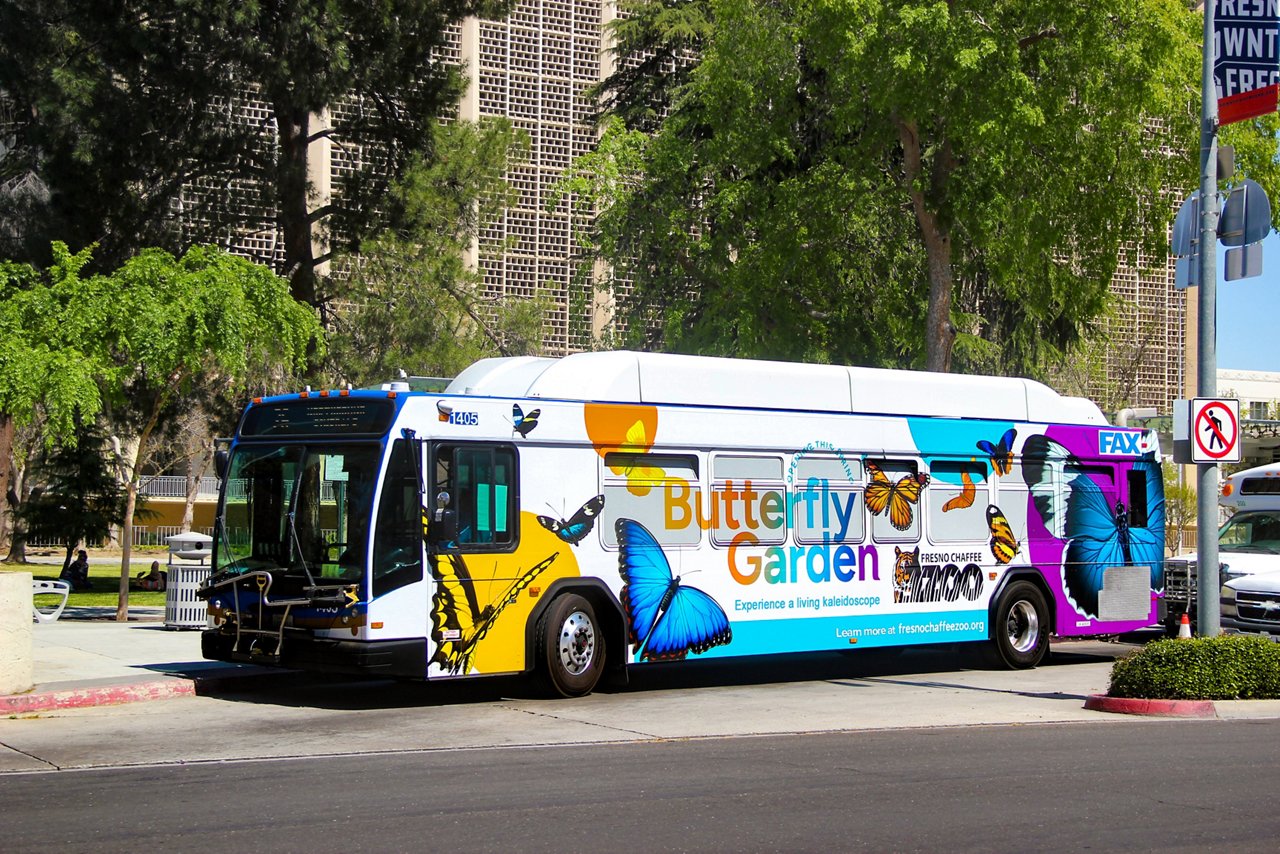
[
  {"x": 103, "y": 695},
  {"x": 1158, "y": 708}
]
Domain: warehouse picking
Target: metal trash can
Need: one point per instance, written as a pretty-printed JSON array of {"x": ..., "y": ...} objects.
[{"x": 182, "y": 610}]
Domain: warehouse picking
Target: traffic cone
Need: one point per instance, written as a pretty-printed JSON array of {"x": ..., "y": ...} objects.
[{"x": 1184, "y": 627}]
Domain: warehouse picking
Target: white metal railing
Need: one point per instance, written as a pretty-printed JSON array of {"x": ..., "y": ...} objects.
[
  {"x": 175, "y": 486},
  {"x": 143, "y": 535}
]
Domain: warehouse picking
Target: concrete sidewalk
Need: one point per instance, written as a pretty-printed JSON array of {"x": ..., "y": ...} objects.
[{"x": 86, "y": 658}]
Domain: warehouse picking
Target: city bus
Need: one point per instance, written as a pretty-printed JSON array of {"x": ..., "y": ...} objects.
[{"x": 577, "y": 517}]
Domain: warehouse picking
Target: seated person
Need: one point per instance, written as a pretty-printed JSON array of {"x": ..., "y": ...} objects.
[
  {"x": 77, "y": 572},
  {"x": 156, "y": 579}
]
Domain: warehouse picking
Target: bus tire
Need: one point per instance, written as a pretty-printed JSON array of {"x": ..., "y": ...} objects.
[
  {"x": 1020, "y": 627},
  {"x": 571, "y": 651}
]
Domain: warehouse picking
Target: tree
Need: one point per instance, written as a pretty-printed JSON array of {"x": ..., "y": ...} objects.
[
  {"x": 174, "y": 322},
  {"x": 52, "y": 369},
  {"x": 940, "y": 170},
  {"x": 1179, "y": 503},
  {"x": 131, "y": 112},
  {"x": 411, "y": 302},
  {"x": 81, "y": 497}
]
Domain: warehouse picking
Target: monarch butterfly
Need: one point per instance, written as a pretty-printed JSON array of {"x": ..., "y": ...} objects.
[
  {"x": 1004, "y": 545},
  {"x": 894, "y": 498},
  {"x": 966, "y": 496},
  {"x": 1001, "y": 452}
]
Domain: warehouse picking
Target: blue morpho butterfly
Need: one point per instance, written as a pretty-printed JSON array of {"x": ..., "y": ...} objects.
[
  {"x": 1001, "y": 453},
  {"x": 666, "y": 620},
  {"x": 579, "y": 524},
  {"x": 522, "y": 423},
  {"x": 1097, "y": 532}
]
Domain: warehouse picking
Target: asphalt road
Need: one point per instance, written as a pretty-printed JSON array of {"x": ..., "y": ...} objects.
[{"x": 1147, "y": 785}]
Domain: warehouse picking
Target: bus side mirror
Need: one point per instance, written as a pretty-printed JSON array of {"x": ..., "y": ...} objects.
[
  {"x": 220, "y": 460},
  {"x": 444, "y": 526},
  {"x": 444, "y": 522}
]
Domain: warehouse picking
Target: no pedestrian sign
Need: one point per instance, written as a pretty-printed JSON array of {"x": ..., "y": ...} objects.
[{"x": 1215, "y": 430}]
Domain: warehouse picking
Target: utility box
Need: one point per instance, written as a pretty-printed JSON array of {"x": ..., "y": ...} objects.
[{"x": 189, "y": 567}]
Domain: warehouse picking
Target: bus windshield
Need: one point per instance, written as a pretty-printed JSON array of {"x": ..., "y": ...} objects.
[
  {"x": 1251, "y": 531},
  {"x": 302, "y": 508}
]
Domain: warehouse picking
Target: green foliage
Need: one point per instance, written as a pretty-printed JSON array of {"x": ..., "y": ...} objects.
[
  {"x": 1256, "y": 156},
  {"x": 82, "y": 497},
  {"x": 52, "y": 363},
  {"x": 170, "y": 319},
  {"x": 1230, "y": 667},
  {"x": 411, "y": 301},
  {"x": 850, "y": 180},
  {"x": 127, "y": 106},
  {"x": 661, "y": 40}
]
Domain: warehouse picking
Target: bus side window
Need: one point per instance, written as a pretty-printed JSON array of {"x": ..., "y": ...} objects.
[
  {"x": 397, "y": 544},
  {"x": 481, "y": 482},
  {"x": 1012, "y": 493},
  {"x": 895, "y": 498},
  {"x": 958, "y": 499},
  {"x": 1138, "y": 496},
  {"x": 660, "y": 491},
  {"x": 827, "y": 500},
  {"x": 748, "y": 495}
]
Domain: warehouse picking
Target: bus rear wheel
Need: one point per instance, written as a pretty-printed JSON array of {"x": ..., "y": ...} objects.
[
  {"x": 570, "y": 646},
  {"x": 1020, "y": 631}
]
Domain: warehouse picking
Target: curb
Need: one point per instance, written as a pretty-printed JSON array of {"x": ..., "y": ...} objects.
[
  {"x": 1154, "y": 708},
  {"x": 101, "y": 695},
  {"x": 133, "y": 692}
]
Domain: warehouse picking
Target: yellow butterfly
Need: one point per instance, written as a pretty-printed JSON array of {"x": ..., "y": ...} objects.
[
  {"x": 1004, "y": 545},
  {"x": 640, "y": 478},
  {"x": 458, "y": 621},
  {"x": 895, "y": 498}
]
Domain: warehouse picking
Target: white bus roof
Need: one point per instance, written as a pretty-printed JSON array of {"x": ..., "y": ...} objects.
[{"x": 663, "y": 378}]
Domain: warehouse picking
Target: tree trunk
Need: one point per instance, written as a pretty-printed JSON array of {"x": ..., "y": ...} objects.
[
  {"x": 131, "y": 504},
  {"x": 940, "y": 333},
  {"x": 293, "y": 126},
  {"x": 6, "y": 473},
  {"x": 13, "y": 500},
  {"x": 126, "y": 549},
  {"x": 194, "y": 470}
]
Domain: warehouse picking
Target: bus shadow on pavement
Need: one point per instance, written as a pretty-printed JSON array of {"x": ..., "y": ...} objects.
[{"x": 311, "y": 690}]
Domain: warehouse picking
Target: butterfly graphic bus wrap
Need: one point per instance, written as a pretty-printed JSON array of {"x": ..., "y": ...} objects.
[
  {"x": 665, "y": 619},
  {"x": 568, "y": 518}
]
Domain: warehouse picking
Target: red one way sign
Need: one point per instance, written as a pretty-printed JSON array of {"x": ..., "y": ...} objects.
[{"x": 1215, "y": 430}]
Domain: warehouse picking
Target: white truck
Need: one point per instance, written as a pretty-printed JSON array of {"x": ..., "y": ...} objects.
[{"x": 1248, "y": 546}]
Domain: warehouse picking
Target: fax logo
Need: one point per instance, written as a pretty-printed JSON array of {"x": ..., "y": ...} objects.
[{"x": 1117, "y": 443}]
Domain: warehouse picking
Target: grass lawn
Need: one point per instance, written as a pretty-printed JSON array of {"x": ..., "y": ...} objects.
[{"x": 105, "y": 579}]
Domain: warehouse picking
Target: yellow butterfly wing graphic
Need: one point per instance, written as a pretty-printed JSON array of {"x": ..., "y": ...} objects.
[
  {"x": 1004, "y": 545},
  {"x": 878, "y": 490},
  {"x": 896, "y": 498},
  {"x": 458, "y": 621},
  {"x": 640, "y": 478}
]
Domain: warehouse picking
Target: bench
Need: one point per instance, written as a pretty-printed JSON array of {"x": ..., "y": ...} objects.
[{"x": 49, "y": 588}]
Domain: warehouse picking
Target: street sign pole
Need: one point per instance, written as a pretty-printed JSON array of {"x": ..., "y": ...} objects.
[{"x": 1208, "y": 617}]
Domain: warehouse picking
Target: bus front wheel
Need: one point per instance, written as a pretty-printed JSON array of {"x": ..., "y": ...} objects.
[
  {"x": 1020, "y": 632},
  {"x": 570, "y": 646}
]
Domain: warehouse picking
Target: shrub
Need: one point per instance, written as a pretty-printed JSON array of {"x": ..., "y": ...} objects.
[{"x": 1230, "y": 667}]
